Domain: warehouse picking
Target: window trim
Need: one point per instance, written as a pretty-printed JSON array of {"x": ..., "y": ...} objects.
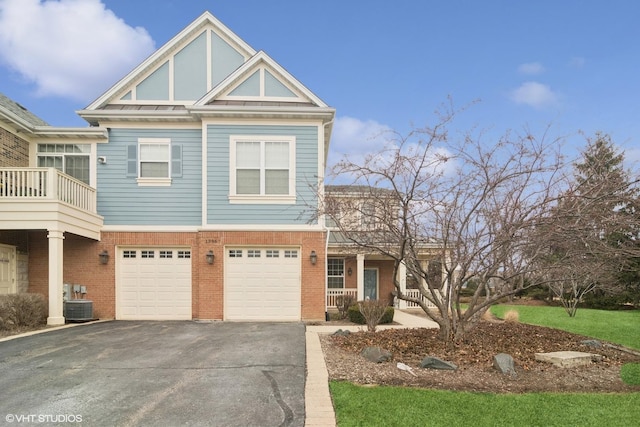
[
  {"x": 336, "y": 276},
  {"x": 262, "y": 198},
  {"x": 64, "y": 155},
  {"x": 155, "y": 181}
]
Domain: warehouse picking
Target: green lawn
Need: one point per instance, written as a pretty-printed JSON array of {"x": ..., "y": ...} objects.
[
  {"x": 398, "y": 406},
  {"x": 620, "y": 327}
]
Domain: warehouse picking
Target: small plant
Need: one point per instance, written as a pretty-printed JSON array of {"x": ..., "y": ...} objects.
[
  {"x": 371, "y": 313},
  {"x": 343, "y": 302},
  {"x": 512, "y": 316},
  {"x": 22, "y": 310},
  {"x": 356, "y": 317}
]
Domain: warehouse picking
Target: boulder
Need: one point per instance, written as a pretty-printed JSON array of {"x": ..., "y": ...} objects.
[
  {"x": 432, "y": 362},
  {"x": 341, "y": 333},
  {"x": 592, "y": 343},
  {"x": 376, "y": 354},
  {"x": 504, "y": 363}
]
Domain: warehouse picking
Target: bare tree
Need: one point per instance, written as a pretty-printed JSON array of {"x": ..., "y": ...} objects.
[{"x": 473, "y": 204}]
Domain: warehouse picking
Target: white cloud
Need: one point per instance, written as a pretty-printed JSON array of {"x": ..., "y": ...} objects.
[
  {"x": 70, "y": 48},
  {"x": 531, "y": 68},
  {"x": 357, "y": 138},
  {"x": 534, "y": 94},
  {"x": 353, "y": 136}
]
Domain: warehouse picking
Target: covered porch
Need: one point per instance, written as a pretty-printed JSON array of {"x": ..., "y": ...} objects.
[
  {"x": 366, "y": 276},
  {"x": 47, "y": 199}
]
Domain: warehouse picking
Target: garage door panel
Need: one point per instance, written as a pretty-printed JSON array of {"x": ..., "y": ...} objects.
[
  {"x": 262, "y": 287},
  {"x": 154, "y": 287}
]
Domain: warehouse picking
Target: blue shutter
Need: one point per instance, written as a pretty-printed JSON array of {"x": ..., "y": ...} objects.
[
  {"x": 132, "y": 161},
  {"x": 176, "y": 161}
]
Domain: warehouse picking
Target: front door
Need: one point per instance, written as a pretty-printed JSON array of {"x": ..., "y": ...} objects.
[
  {"x": 7, "y": 270},
  {"x": 370, "y": 283}
]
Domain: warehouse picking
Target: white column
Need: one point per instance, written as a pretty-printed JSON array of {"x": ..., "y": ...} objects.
[
  {"x": 402, "y": 280},
  {"x": 56, "y": 239},
  {"x": 360, "y": 276}
]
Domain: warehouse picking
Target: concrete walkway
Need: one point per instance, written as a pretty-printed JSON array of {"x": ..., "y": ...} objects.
[{"x": 318, "y": 405}]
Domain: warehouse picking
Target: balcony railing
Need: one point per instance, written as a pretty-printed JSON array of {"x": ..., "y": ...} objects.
[{"x": 20, "y": 184}]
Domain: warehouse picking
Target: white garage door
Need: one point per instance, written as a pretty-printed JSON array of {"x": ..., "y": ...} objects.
[
  {"x": 153, "y": 284},
  {"x": 262, "y": 284}
]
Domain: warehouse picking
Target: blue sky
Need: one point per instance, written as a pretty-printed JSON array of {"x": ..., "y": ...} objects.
[{"x": 573, "y": 65}]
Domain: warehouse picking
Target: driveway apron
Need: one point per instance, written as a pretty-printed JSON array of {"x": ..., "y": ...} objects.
[{"x": 158, "y": 373}]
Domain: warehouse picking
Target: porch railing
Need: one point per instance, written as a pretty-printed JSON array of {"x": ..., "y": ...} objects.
[
  {"x": 46, "y": 184},
  {"x": 415, "y": 293},
  {"x": 333, "y": 294}
]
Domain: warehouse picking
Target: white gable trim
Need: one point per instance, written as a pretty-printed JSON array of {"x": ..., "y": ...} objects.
[
  {"x": 162, "y": 54},
  {"x": 260, "y": 61}
]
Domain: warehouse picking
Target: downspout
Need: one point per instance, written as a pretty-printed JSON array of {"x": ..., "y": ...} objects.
[
  {"x": 326, "y": 244},
  {"x": 326, "y": 271}
]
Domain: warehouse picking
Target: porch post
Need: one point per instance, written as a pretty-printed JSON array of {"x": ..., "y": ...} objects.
[
  {"x": 360, "y": 276},
  {"x": 56, "y": 238},
  {"x": 402, "y": 280}
]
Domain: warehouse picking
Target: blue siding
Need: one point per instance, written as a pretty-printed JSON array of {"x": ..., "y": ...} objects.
[
  {"x": 220, "y": 211},
  {"x": 122, "y": 202},
  {"x": 224, "y": 59},
  {"x": 156, "y": 86},
  {"x": 249, "y": 87},
  {"x": 273, "y": 87},
  {"x": 190, "y": 70}
]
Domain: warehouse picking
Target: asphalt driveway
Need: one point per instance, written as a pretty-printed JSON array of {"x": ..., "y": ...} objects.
[{"x": 157, "y": 373}]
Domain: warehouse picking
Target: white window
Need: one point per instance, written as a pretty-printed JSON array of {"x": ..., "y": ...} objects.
[
  {"x": 335, "y": 273},
  {"x": 262, "y": 169},
  {"x": 235, "y": 253},
  {"x": 72, "y": 159},
  {"x": 253, "y": 253},
  {"x": 291, "y": 254},
  {"x": 147, "y": 254},
  {"x": 166, "y": 254},
  {"x": 368, "y": 218},
  {"x": 154, "y": 160}
]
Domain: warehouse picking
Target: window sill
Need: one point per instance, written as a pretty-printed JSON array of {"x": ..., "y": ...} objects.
[
  {"x": 154, "y": 182},
  {"x": 263, "y": 200}
]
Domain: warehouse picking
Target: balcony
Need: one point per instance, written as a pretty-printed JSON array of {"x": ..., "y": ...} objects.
[{"x": 45, "y": 198}]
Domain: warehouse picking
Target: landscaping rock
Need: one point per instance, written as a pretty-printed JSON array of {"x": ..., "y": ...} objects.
[
  {"x": 431, "y": 362},
  {"x": 568, "y": 359},
  {"x": 376, "y": 354},
  {"x": 592, "y": 343},
  {"x": 341, "y": 333},
  {"x": 504, "y": 363}
]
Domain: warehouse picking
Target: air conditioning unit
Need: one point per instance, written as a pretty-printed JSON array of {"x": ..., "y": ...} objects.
[{"x": 78, "y": 310}]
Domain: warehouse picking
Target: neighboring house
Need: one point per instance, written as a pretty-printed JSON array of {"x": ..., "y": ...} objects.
[
  {"x": 193, "y": 191},
  {"x": 356, "y": 217}
]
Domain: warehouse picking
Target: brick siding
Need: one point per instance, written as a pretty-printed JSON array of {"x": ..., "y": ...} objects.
[
  {"x": 14, "y": 151},
  {"x": 82, "y": 266}
]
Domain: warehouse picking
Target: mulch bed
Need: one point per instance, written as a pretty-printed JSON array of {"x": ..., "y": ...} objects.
[{"x": 474, "y": 359}]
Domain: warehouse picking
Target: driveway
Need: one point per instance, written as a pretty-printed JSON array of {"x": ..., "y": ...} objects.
[{"x": 157, "y": 373}]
